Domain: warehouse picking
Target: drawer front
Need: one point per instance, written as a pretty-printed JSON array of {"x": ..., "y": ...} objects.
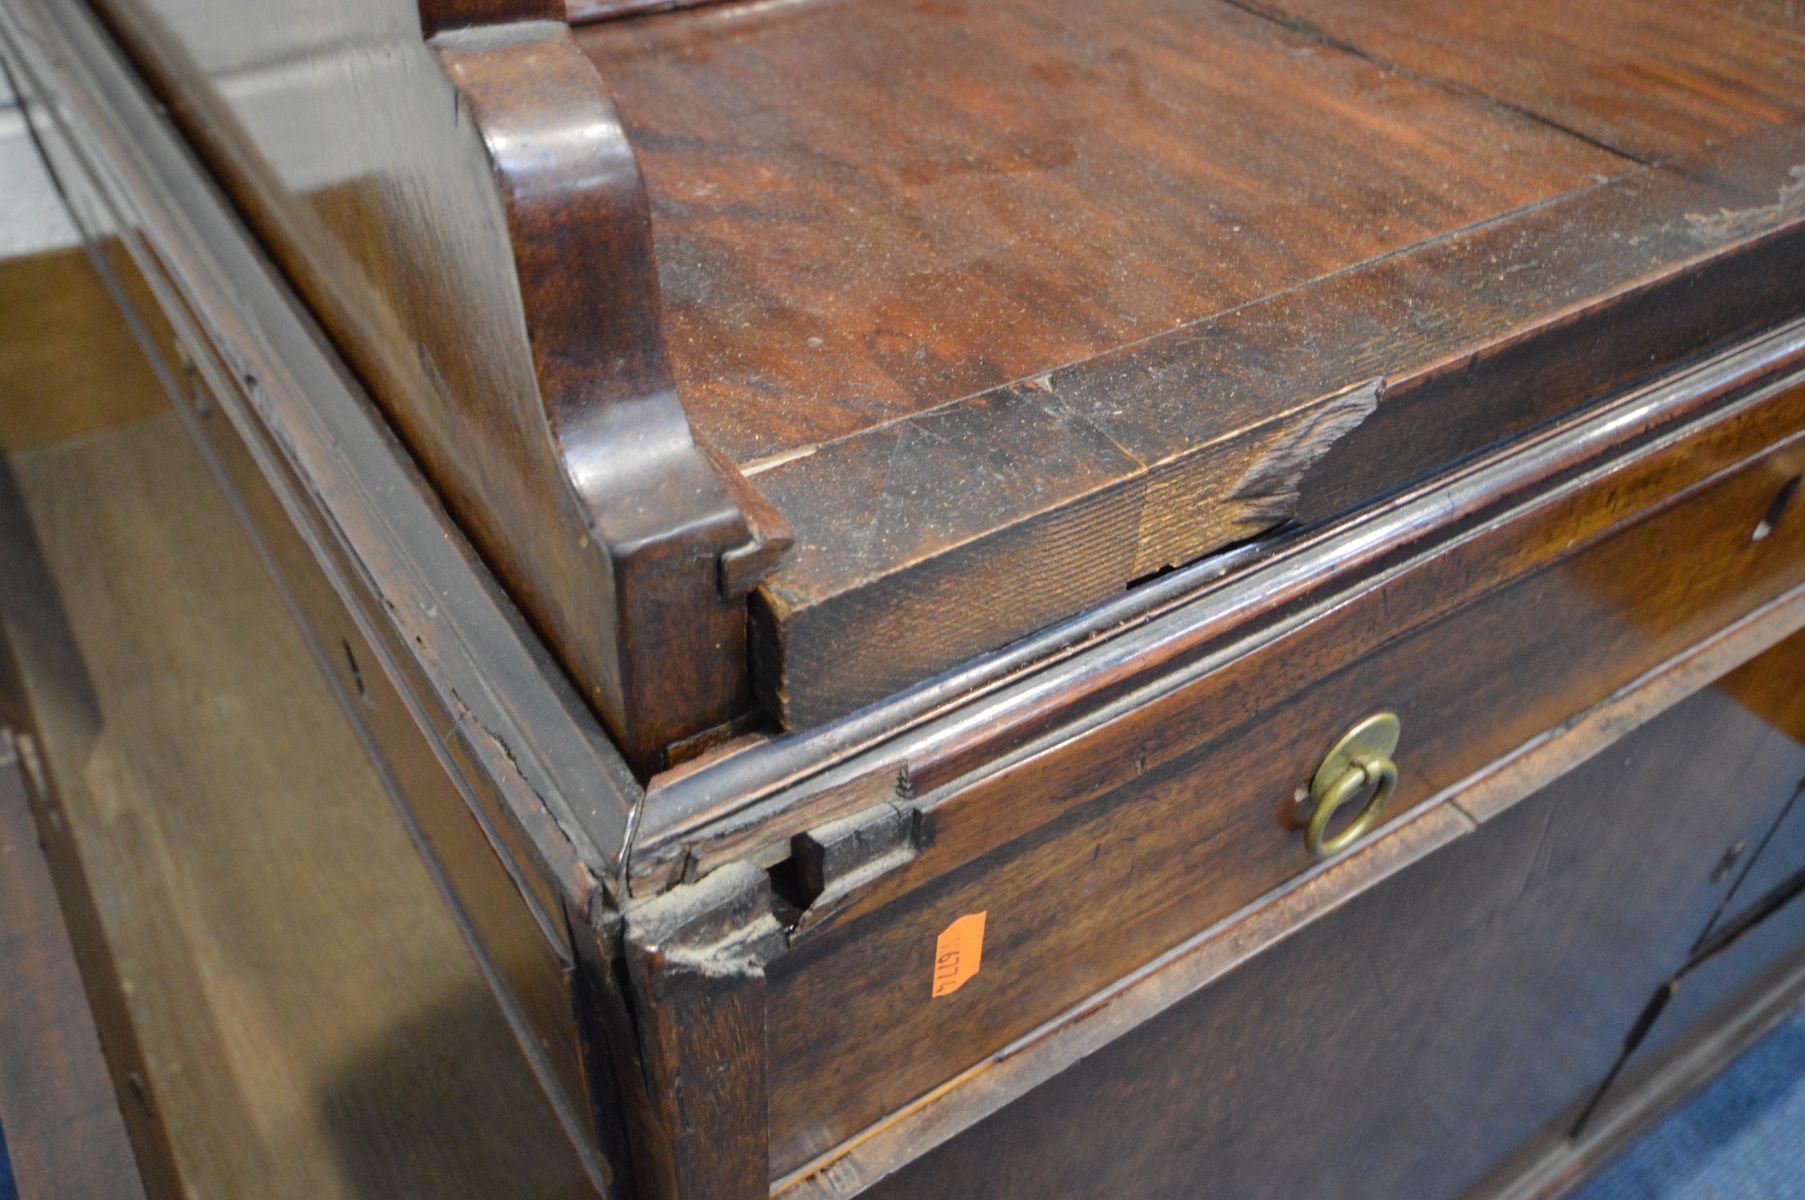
[
  {"x": 1448, "y": 1020},
  {"x": 1181, "y": 808}
]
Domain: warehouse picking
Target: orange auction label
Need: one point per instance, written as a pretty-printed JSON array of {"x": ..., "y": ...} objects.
[{"x": 958, "y": 954}]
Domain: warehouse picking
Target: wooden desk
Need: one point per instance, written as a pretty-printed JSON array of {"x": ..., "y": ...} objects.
[{"x": 851, "y": 534}]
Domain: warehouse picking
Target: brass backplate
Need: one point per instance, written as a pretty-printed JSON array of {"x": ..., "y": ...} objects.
[{"x": 1374, "y": 737}]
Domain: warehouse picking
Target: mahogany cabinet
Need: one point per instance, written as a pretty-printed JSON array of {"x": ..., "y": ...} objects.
[{"x": 1019, "y": 599}]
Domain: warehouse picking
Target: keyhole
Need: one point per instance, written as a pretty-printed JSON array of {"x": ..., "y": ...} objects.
[{"x": 1776, "y": 510}]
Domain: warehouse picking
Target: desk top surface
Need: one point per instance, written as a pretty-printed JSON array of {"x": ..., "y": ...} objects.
[{"x": 937, "y": 273}]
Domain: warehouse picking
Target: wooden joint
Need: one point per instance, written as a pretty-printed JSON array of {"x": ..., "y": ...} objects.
[{"x": 743, "y": 567}]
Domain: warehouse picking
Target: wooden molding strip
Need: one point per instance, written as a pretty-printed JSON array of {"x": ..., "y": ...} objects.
[
  {"x": 439, "y": 15},
  {"x": 1225, "y": 616},
  {"x": 581, "y": 11}
]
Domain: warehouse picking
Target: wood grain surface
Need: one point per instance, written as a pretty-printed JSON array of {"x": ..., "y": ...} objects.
[
  {"x": 309, "y": 1021},
  {"x": 1213, "y": 618},
  {"x": 1644, "y": 78},
  {"x": 431, "y": 254},
  {"x": 991, "y": 1084},
  {"x": 864, "y": 210},
  {"x": 1410, "y": 1041},
  {"x": 52, "y": 302},
  {"x": 1176, "y": 810},
  {"x": 1005, "y": 307}
]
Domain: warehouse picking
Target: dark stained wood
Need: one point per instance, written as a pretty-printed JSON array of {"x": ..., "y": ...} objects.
[
  {"x": 1466, "y": 347},
  {"x": 1221, "y": 618},
  {"x": 947, "y": 201},
  {"x": 1759, "y": 928},
  {"x": 696, "y": 958},
  {"x": 439, "y": 15},
  {"x": 991, "y": 1084},
  {"x": 994, "y": 360},
  {"x": 658, "y": 638},
  {"x": 1095, "y": 291},
  {"x": 236, "y": 843},
  {"x": 1705, "y": 995},
  {"x": 64, "y": 1133},
  {"x": 1461, "y": 1006},
  {"x": 1174, "y": 809},
  {"x": 601, "y": 10},
  {"x": 424, "y": 250},
  {"x": 1645, "y": 78},
  {"x": 1705, "y": 1053}
]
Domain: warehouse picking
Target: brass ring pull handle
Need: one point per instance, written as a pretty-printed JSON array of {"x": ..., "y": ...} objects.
[{"x": 1361, "y": 759}]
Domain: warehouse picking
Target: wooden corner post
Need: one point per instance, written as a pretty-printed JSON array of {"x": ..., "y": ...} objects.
[{"x": 695, "y": 961}]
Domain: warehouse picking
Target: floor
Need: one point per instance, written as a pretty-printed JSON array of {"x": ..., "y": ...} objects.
[{"x": 1742, "y": 1138}]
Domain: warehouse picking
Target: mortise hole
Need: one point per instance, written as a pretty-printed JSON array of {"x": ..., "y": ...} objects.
[
  {"x": 1776, "y": 510},
  {"x": 793, "y": 890}
]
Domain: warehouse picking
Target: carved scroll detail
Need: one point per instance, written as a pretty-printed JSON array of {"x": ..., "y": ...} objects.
[{"x": 645, "y": 607}]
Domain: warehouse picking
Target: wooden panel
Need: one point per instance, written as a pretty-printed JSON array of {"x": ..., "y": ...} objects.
[
  {"x": 63, "y": 1129},
  {"x": 512, "y": 918},
  {"x": 866, "y": 209},
  {"x": 482, "y": 851},
  {"x": 521, "y": 745},
  {"x": 1466, "y": 1005},
  {"x": 309, "y": 1020},
  {"x": 1646, "y": 78},
  {"x": 54, "y": 302},
  {"x": 1172, "y": 812},
  {"x": 1778, "y": 698},
  {"x": 1759, "y": 929},
  {"x": 1703, "y": 998}
]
